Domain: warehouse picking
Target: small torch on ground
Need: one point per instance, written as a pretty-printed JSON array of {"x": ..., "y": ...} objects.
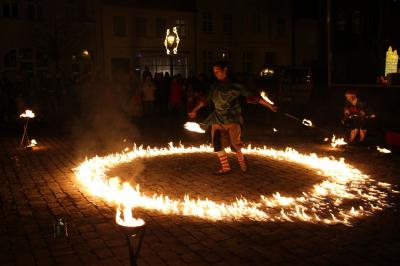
[
  {"x": 28, "y": 114},
  {"x": 134, "y": 229}
]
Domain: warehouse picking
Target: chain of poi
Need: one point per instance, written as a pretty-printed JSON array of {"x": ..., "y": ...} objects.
[{"x": 346, "y": 193}]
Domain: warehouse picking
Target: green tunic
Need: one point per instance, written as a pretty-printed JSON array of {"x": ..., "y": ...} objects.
[{"x": 225, "y": 97}]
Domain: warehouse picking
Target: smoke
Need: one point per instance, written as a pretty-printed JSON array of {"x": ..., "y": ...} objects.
[{"x": 104, "y": 122}]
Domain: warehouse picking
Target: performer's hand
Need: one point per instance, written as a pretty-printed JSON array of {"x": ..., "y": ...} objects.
[{"x": 192, "y": 114}]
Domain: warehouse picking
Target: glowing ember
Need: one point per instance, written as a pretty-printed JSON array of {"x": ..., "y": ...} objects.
[
  {"x": 33, "y": 143},
  {"x": 265, "y": 97},
  {"x": 27, "y": 114},
  {"x": 383, "y": 150},
  {"x": 307, "y": 122},
  {"x": 194, "y": 127},
  {"x": 326, "y": 139},
  {"x": 337, "y": 142},
  {"x": 128, "y": 219},
  {"x": 345, "y": 194},
  {"x": 275, "y": 130}
]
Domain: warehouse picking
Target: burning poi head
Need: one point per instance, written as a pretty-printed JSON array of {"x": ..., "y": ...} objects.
[
  {"x": 337, "y": 142},
  {"x": 194, "y": 127},
  {"x": 383, "y": 150},
  {"x": 264, "y": 95},
  {"x": 307, "y": 122},
  {"x": 27, "y": 114}
]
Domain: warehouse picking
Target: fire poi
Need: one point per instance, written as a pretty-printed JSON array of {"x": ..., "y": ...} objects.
[
  {"x": 345, "y": 194},
  {"x": 337, "y": 142},
  {"x": 194, "y": 127},
  {"x": 383, "y": 150}
]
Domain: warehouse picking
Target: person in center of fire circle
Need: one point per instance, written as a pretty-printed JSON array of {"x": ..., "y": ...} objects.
[{"x": 226, "y": 119}]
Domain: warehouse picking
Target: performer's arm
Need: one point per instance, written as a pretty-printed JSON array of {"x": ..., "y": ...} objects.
[
  {"x": 256, "y": 99},
  {"x": 193, "y": 113}
]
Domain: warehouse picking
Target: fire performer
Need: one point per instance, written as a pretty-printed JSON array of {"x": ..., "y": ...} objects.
[
  {"x": 356, "y": 116},
  {"x": 226, "y": 119}
]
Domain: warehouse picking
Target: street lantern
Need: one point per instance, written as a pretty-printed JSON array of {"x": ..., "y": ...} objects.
[{"x": 171, "y": 44}]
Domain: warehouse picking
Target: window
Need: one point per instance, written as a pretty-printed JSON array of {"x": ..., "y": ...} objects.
[
  {"x": 281, "y": 27},
  {"x": 119, "y": 23},
  {"x": 257, "y": 23},
  {"x": 10, "y": 59},
  {"x": 269, "y": 59},
  {"x": 41, "y": 59},
  {"x": 227, "y": 26},
  {"x": 161, "y": 27},
  {"x": 341, "y": 22},
  {"x": 207, "y": 22},
  {"x": 356, "y": 22},
  {"x": 247, "y": 62},
  {"x": 9, "y": 10},
  {"x": 34, "y": 10},
  {"x": 208, "y": 60},
  {"x": 140, "y": 26},
  {"x": 181, "y": 27}
]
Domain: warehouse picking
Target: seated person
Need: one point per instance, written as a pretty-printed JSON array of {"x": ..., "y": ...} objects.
[{"x": 356, "y": 116}]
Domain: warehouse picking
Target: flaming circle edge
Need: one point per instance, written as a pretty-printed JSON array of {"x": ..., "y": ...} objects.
[{"x": 322, "y": 204}]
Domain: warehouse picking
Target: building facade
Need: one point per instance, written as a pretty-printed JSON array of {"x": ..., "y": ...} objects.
[
  {"x": 108, "y": 37},
  {"x": 41, "y": 37}
]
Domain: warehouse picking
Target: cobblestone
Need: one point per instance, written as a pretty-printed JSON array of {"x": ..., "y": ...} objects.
[{"x": 39, "y": 186}]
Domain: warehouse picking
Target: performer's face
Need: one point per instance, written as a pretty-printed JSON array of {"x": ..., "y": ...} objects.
[{"x": 220, "y": 73}]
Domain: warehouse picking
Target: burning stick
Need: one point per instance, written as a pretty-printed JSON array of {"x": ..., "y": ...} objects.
[
  {"x": 305, "y": 122},
  {"x": 134, "y": 228},
  {"x": 383, "y": 150},
  {"x": 194, "y": 127}
]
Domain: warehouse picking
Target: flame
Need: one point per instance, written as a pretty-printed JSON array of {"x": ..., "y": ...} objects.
[
  {"x": 307, "y": 122},
  {"x": 128, "y": 219},
  {"x": 194, "y": 127},
  {"x": 275, "y": 130},
  {"x": 33, "y": 143},
  {"x": 27, "y": 114},
  {"x": 265, "y": 97},
  {"x": 383, "y": 150},
  {"x": 337, "y": 142},
  {"x": 326, "y": 139},
  {"x": 327, "y": 202}
]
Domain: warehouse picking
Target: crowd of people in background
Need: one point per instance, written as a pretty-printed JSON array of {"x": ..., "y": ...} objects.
[{"x": 138, "y": 96}]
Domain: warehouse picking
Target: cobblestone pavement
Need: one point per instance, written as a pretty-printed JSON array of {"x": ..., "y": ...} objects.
[{"x": 38, "y": 186}]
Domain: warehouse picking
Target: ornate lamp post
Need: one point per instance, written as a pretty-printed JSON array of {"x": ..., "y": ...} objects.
[{"x": 171, "y": 44}]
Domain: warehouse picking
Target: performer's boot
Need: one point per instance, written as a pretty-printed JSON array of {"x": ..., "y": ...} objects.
[
  {"x": 225, "y": 168},
  {"x": 242, "y": 161}
]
